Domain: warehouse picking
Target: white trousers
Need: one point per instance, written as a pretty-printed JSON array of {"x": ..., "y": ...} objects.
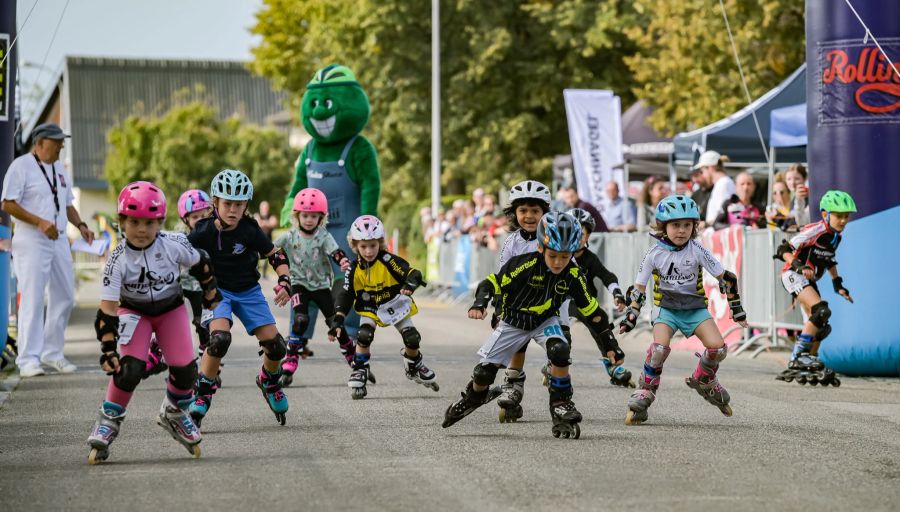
[{"x": 43, "y": 266}]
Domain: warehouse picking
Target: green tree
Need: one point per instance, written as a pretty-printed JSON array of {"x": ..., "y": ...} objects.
[
  {"x": 685, "y": 65},
  {"x": 187, "y": 145},
  {"x": 504, "y": 66}
]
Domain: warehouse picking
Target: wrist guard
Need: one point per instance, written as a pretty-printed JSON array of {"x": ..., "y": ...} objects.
[
  {"x": 285, "y": 282},
  {"x": 798, "y": 266},
  {"x": 782, "y": 249},
  {"x": 338, "y": 256},
  {"x": 106, "y": 324},
  {"x": 838, "y": 283},
  {"x": 414, "y": 280},
  {"x": 636, "y": 296},
  {"x": 483, "y": 295}
]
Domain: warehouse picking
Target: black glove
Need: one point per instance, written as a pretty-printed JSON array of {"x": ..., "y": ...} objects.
[
  {"x": 109, "y": 355},
  {"x": 737, "y": 311},
  {"x": 285, "y": 281},
  {"x": 618, "y": 296},
  {"x": 838, "y": 283},
  {"x": 798, "y": 266},
  {"x": 781, "y": 249},
  {"x": 337, "y": 322},
  {"x": 630, "y": 320}
]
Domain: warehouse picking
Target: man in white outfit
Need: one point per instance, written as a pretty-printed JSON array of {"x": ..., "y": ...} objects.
[
  {"x": 712, "y": 165},
  {"x": 38, "y": 195}
]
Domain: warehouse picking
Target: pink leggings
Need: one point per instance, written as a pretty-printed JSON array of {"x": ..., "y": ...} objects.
[{"x": 173, "y": 333}]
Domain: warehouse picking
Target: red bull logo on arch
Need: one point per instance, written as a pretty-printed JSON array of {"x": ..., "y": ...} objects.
[{"x": 858, "y": 83}]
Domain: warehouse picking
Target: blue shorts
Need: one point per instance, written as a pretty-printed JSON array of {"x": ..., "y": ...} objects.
[
  {"x": 250, "y": 306},
  {"x": 684, "y": 320}
]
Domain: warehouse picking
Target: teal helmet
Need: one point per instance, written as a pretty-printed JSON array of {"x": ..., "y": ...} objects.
[
  {"x": 559, "y": 232},
  {"x": 677, "y": 207},
  {"x": 231, "y": 184}
]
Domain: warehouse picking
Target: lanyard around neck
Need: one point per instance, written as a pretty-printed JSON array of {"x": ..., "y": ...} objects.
[{"x": 53, "y": 186}]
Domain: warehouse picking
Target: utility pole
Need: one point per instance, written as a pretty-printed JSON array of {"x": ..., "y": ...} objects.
[
  {"x": 8, "y": 55},
  {"x": 435, "y": 107}
]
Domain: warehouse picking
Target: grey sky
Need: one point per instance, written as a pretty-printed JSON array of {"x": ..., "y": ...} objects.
[{"x": 174, "y": 29}]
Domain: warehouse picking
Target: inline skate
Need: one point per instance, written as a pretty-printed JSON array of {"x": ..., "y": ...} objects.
[
  {"x": 470, "y": 401},
  {"x": 270, "y": 385},
  {"x": 178, "y": 423},
  {"x": 104, "y": 432},
  {"x": 512, "y": 392},
  {"x": 417, "y": 371}
]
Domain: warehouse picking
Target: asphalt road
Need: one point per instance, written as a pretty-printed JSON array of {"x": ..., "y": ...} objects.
[{"x": 787, "y": 447}]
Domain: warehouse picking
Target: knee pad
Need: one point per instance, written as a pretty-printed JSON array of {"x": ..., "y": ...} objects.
[
  {"x": 819, "y": 314},
  {"x": 183, "y": 377},
  {"x": 411, "y": 338},
  {"x": 484, "y": 374},
  {"x": 366, "y": 335},
  {"x": 219, "y": 341},
  {"x": 301, "y": 322},
  {"x": 823, "y": 332},
  {"x": 716, "y": 354},
  {"x": 131, "y": 369},
  {"x": 558, "y": 352},
  {"x": 656, "y": 356},
  {"x": 275, "y": 348},
  {"x": 567, "y": 332}
]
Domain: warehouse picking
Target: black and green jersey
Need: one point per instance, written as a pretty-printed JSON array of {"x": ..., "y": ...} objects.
[{"x": 529, "y": 293}]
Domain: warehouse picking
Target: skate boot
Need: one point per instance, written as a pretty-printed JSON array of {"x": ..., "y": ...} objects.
[
  {"x": 417, "y": 371},
  {"x": 470, "y": 401},
  {"x": 203, "y": 394},
  {"x": 155, "y": 363},
  {"x": 359, "y": 376},
  {"x": 270, "y": 385},
  {"x": 705, "y": 381},
  {"x": 803, "y": 368},
  {"x": 648, "y": 384},
  {"x": 290, "y": 363},
  {"x": 178, "y": 423},
  {"x": 565, "y": 416},
  {"x": 618, "y": 375},
  {"x": 104, "y": 432},
  {"x": 512, "y": 391}
]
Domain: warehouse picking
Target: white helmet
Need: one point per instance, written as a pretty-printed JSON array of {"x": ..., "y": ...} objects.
[
  {"x": 529, "y": 189},
  {"x": 366, "y": 227}
]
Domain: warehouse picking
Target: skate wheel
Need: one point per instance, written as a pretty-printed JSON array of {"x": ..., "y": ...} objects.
[
  {"x": 280, "y": 417},
  {"x": 506, "y": 417},
  {"x": 726, "y": 410},
  {"x": 95, "y": 457},
  {"x": 836, "y": 382},
  {"x": 195, "y": 450},
  {"x": 577, "y": 431},
  {"x": 630, "y": 419},
  {"x": 371, "y": 377},
  {"x": 556, "y": 433},
  {"x": 631, "y": 384}
]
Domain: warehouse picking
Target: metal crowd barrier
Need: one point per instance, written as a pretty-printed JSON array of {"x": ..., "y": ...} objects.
[{"x": 768, "y": 305}]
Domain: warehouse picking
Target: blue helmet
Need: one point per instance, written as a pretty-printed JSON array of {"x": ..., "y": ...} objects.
[
  {"x": 559, "y": 232},
  {"x": 677, "y": 207},
  {"x": 232, "y": 184}
]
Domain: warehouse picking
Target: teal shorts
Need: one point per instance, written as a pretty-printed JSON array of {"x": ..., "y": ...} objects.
[{"x": 684, "y": 320}]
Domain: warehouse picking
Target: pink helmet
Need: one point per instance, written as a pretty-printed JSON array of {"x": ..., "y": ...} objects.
[
  {"x": 311, "y": 200},
  {"x": 143, "y": 200},
  {"x": 191, "y": 201},
  {"x": 366, "y": 227}
]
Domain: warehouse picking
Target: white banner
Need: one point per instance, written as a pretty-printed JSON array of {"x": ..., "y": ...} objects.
[{"x": 595, "y": 135}]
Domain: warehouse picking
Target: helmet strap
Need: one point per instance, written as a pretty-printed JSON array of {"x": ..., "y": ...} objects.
[{"x": 307, "y": 231}]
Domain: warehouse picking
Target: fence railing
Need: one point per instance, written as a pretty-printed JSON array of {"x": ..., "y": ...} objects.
[{"x": 746, "y": 252}]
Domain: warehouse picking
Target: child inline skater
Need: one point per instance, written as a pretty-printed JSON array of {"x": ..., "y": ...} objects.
[
  {"x": 140, "y": 297},
  {"x": 379, "y": 286},
  {"x": 807, "y": 256},
  {"x": 308, "y": 247},
  {"x": 193, "y": 205},
  {"x": 529, "y": 201},
  {"x": 611, "y": 355},
  {"x": 532, "y": 288},
  {"x": 676, "y": 263},
  {"x": 235, "y": 243}
]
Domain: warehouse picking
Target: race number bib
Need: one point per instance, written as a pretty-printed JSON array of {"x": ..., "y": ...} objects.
[
  {"x": 127, "y": 324},
  {"x": 295, "y": 300},
  {"x": 395, "y": 309}
]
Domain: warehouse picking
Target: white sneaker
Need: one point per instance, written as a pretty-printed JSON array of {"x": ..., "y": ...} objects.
[
  {"x": 32, "y": 370},
  {"x": 61, "y": 365}
]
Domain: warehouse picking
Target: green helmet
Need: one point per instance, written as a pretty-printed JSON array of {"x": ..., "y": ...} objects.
[
  {"x": 836, "y": 201},
  {"x": 332, "y": 75}
]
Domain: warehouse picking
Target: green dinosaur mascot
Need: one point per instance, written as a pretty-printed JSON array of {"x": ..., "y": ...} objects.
[{"x": 338, "y": 160}]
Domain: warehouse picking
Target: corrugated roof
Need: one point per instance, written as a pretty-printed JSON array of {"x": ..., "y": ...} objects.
[{"x": 103, "y": 91}]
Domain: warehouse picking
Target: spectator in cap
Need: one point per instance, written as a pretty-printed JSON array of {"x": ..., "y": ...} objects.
[
  {"x": 712, "y": 164},
  {"x": 701, "y": 189},
  {"x": 38, "y": 196}
]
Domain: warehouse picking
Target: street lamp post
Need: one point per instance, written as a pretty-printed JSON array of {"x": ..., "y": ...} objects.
[{"x": 435, "y": 107}]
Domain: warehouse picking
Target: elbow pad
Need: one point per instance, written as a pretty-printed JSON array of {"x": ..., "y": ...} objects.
[
  {"x": 414, "y": 280},
  {"x": 277, "y": 259}
]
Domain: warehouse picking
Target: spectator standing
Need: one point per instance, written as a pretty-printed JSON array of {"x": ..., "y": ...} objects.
[
  {"x": 42, "y": 257},
  {"x": 778, "y": 213},
  {"x": 712, "y": 164},
  {"x": 618, "y": 212},
  {"x": 267, "y": 222},
  {"x": 796, "y": 179},
  {"x": 654, "y": 191},
  {"x": 701, "y": 190},
  {"x": 739, "y": 209},
  {"x": 569, "y": 196}
]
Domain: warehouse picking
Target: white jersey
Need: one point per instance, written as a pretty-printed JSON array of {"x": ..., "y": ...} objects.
[
  {"x": 146, "y": 280},
  {"x": 516, "y": 244},
  {"x": 678, "y": 275}
]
